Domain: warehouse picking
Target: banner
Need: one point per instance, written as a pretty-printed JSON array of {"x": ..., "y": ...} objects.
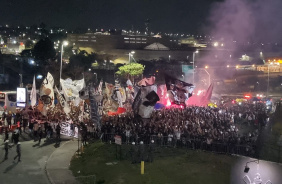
[
  {"x": 71, "y": 88},
  {"x": 46, "y": 91},
  {"x": 66, "y": 130},
  {"x": 33, "y": 93},
  {"x": 62, "y": 101}
]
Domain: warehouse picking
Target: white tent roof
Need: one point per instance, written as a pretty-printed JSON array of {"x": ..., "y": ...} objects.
[{"x": 156, "y": 46}]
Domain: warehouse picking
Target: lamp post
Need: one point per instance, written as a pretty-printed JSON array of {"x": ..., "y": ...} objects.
[
  {"x": 65, "y": 43},
  {"x": 95, "y": 77},
  {"x": 21, "y": 80},
  {"x": 169, "y": 58},
  {"x": 129, "y": 56},
  {"x": 268, "y": 79},
  {"x": 195, "y": 52},
  {"x": 206, "y": 67}
]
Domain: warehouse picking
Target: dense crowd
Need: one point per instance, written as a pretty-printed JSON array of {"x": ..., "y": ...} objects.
[
  {"x": 173, "y": 126},
  {"x": 180, "y": 126}
]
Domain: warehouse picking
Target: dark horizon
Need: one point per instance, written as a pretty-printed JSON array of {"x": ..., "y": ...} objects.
[{"x": 166, "y": 16}]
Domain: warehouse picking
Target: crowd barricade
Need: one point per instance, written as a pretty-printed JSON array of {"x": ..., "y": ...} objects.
[{"x": 246, "y": 149}]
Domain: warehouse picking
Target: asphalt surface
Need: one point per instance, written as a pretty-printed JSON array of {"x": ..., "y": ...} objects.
[{"x": 32, "y": 168}]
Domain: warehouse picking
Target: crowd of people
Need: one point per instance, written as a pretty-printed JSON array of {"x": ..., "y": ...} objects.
[
  {"x": 190, "y": 125},
  {"x": 186, "y": 126},
  {"x": 31, "y": 122}
]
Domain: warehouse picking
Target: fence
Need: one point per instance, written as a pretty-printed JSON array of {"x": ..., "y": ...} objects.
[{"x": 247, "y": 149}]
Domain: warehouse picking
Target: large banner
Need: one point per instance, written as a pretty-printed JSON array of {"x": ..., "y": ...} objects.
[{"x": 71, "y": 88}]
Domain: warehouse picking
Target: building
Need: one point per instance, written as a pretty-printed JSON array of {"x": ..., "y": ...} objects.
[{"x": 100, "y": 41}]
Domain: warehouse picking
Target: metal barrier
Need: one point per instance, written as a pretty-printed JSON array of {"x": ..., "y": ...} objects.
[
  {"x": 247, "y": 149},
  {"x": 86, "y": 179}
]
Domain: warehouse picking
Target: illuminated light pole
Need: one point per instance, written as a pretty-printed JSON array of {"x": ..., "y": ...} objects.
[
  {"x": 206, "y": 67},
  {"x": 169, "y": 58},
  {"x": 129, "y": 56},
  {"x": 268, "y": 78},
  {"x": 65, "y": 43},
  {"x": 195, "y": 52},
  {"x": 95, "y": 77}
]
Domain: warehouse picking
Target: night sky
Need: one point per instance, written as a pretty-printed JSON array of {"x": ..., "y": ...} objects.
[{"x": 186, "y": 16}]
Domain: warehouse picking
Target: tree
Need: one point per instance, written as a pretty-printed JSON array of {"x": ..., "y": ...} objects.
[
  {"x": 44, "y": 50},
  {"x": 78, "y": 64},
  {"x": 150, "y": 67},
  {"x": 131, "y": 71}
]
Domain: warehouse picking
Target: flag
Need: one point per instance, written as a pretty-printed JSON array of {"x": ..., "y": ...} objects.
[
  {"x": 71, "y": 88},
  {"x": 145, "y": 100},
  {"x": 147, "y": 81},
  {"x": 33, "y": 93},
  {"x": 206, "y": 99},
  {"x": 62, "y": 101},
  {"x": 178, "y": 91},
  {"x": 46, "y": 91},
  {"x": 100, "y": 87}
]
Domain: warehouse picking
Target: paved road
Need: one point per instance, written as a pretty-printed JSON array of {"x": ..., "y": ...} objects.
[{"x": 31, "y": 170}]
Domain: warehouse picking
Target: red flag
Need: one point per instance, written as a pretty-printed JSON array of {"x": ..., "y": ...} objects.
[{"x": 206, "y": 99}]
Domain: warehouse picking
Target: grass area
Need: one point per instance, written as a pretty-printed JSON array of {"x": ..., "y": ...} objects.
[
  {"x": 170, "y": 166},
  {"x": 270, "y": 149}
]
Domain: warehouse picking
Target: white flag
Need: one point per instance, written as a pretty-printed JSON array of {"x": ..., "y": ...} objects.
[{"x": 33, "y": 93}]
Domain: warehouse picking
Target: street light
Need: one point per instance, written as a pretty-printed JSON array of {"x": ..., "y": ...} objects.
[
  {"x": 65, "y": 43},
  {"x": 21, "y": 80},
  {"x": 169, "y": 58},
  {"x": 129, "y": 55},
  {"x": 195, "y": 52},
  {"x": 95, "y": 77},
  {"x": 208, "y": 75},
  {"x": 268, "y": 78}
]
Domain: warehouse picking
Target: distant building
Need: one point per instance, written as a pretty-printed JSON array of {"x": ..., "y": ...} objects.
[{"x": 107, "y": 41}]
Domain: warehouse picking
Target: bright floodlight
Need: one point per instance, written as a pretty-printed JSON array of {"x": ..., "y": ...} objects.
[
  {"x": 196, "y": 51},
  {"x": 132, "y": 52},
  {"x": 65, "y": 43},
  {"x": 206, "y": 67},
  {"x": 39, "y": 76},
  {"x": 215, "y": 44}
]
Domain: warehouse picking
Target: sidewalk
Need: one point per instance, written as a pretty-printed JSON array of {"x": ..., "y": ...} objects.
[{"x": 57, "y": 166}]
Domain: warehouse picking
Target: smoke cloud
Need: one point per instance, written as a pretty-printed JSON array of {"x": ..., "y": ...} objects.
[
  {"x": 245, "y": 27},
  {"x": 246, "y": 21}
]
